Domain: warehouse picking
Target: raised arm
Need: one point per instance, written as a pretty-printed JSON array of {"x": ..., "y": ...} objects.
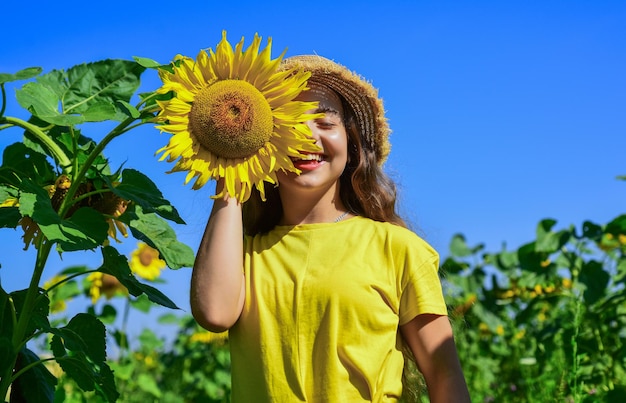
[
  {"x": 217, "y": 282},
  {"x": 430, "y": 339}
]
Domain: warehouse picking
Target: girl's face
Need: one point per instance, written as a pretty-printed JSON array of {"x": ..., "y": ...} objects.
[{"x": 321, "y": 170}]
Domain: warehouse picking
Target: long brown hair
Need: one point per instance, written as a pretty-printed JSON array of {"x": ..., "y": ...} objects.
[{"x": 364, "y": 188}]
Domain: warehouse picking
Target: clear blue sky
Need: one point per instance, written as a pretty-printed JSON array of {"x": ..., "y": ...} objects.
[{"x": 503, "y": 112}]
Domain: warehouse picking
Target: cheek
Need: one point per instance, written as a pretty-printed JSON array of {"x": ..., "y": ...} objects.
[{"x": 283, "y": 176}]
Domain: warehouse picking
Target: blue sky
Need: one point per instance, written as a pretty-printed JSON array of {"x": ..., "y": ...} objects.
[{"x": 503, "y": 113}]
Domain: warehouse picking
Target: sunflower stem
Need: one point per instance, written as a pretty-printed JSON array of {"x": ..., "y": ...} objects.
[
  {"x": 32, "y": 365},
  {"x": 76, "y": 180},
  {"x": 4, "y": 99},
  {"x": 145, "y": 100},
  {"x": 68, "y": 278},
  {"x": 56, "y": 151},
  {"x": 20, "y": 328},
  {"x": 74, "y": 149}
]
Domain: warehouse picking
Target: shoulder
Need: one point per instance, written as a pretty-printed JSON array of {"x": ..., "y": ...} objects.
[{"x": 397, "y": 233}]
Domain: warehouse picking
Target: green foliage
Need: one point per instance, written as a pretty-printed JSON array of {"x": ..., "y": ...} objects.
[
  {"x": 545, "y": 322},
  {"x": 57, "y": 185},
  {"x": 192, "y": 369}
]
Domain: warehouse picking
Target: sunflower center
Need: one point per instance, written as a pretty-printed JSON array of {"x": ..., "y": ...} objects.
[
  {"x": 145, "y": 257},
  {"x": 231, "y": 119}
]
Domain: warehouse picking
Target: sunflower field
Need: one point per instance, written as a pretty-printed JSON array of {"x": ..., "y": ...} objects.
[{"x": 543, "y": 323}]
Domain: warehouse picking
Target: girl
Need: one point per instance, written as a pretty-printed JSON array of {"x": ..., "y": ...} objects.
[{"x": 322, "y": 285}]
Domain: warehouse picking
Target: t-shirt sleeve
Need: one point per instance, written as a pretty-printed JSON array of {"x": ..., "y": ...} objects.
[{"x": 421, "y": 290}]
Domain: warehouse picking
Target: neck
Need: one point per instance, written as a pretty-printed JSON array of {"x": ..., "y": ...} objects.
[{"x": 311, "y": 208}]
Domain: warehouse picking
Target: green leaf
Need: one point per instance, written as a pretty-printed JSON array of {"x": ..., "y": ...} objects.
[
  {"x": 152, "y": 64},
  {"x": 65, "y": 292},
  {"x": 549, "y": 241},
  {"x": 79, "y": 369},
  {"x": 617, "y": 226},
  {"x": 451, "y": 266},
  {"x": 8, "y": 192},
  {"x": 157, "y": 233},
  {"x": 128, "y": 109},
  {"x": 123, "y": 371},
  {"x": 6, "y": 354},
  {"x": 85, "y": 92},
  {"x": 84, "y": 230},
  {"x": 106, "y": 384},
  {"x": 595, "y": 279},
  {"x": 101, "y": 111},
  {"x": 138, "y": 188},
  {"x": 41, "y": 101},
  {"x": 458, "y": 246},
  {"x": 146, "y": 62},
  {"x": 85, "y": 333},
  {"x": 147, "y": 384},
  {"x": 27, "y": 163},
  {"x": 142, "y": 303},
  {"x": 117, "y": 265},
  {"x": 530, "y": 259},
  {"x": 505, "y": 261},
  {"x": 23, "y": 74},
  {"x": 149, "y": 340},
  {"x": 6, "y": 331},
  {"x": 76, "y": 367},
  {"x": 108, "y": 314},
  {"x": 6, "y": 314},
  {"x": 38, "y": 317},
  {"x": 35, "y": 385},
  {"x": 104, "y": 81},
  {"x": 592, "y": 231},
  {"x": 9, "y": 217},
  {"x": 80, "y": 350},
  {"x": 169, "y": 318},
  {"x": 121, "y": 338},
  {"x": 621, "y": 270}
]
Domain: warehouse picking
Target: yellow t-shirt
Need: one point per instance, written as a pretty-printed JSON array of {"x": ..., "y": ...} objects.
[{"x": 322, "y": 310}]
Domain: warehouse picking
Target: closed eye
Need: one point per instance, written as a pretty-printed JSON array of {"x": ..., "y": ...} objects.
[{"x": 331, "y": 118}]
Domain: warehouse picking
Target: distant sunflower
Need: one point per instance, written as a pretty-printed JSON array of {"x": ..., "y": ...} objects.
[
  {"x": 233, "y": 116},
  {"x": 145, "y": 262},
  {"x": 104, "y": 284}
]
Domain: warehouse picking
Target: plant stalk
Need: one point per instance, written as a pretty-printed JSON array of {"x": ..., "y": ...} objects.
[
  {"x": 56, "y": 151},
  {"x": 19, "y": 331},
  {"x": 78, "y": 178}
]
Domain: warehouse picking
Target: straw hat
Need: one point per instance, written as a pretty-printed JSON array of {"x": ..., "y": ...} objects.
[{"x": 359, "y": 93}]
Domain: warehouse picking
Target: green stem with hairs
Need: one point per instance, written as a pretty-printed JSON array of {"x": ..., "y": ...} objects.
[
  {"x": 120, "y": 129},
  {"x": 53, "y": 147},
  {"x": 4, "y": 100},
  {"x": 32, "y": 365},
  {"x": 20, "y": 328}
]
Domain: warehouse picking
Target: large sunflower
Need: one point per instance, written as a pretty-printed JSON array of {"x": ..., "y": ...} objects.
[{"x": 233, "y": 116}]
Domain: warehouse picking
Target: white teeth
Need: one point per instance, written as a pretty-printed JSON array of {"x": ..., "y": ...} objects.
[{"x": 312, "y": 157}]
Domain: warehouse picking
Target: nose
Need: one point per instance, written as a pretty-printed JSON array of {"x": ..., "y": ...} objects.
[{"x": 315, "y": 132}]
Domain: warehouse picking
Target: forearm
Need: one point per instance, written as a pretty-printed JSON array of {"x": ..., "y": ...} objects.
[
  {"x": 431, "y": 340},
  {"x": 448, "y": 385},
  {"x": 217, "y": 281}
]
